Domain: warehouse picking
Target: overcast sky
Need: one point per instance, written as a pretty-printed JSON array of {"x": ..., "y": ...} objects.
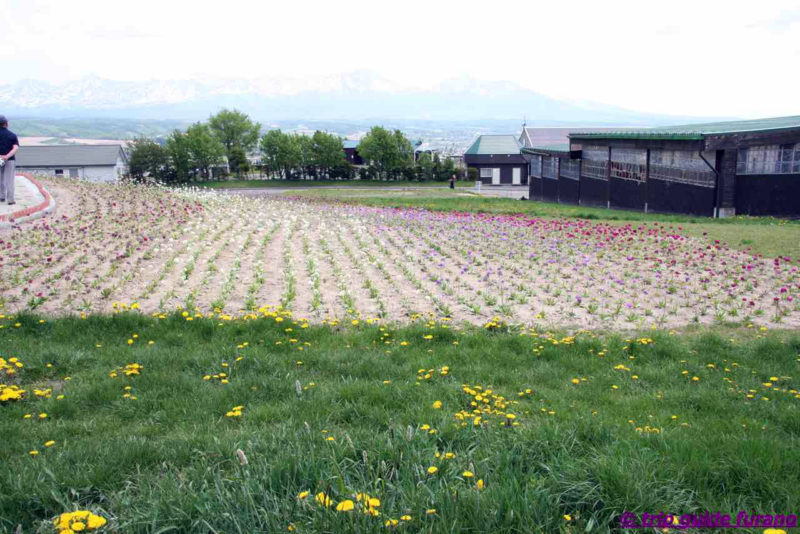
[{"x": 698, "y": 57}]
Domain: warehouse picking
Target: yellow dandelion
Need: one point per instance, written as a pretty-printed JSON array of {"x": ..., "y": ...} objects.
[
  {"x": 323, "y": 499},
  {"x": 345, "y": 506}
]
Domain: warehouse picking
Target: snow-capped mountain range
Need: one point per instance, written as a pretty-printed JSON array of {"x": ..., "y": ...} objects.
[{"x": 359, "y": 95}]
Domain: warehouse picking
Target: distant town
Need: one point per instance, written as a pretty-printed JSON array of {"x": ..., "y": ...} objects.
[{"x": 447, "y": 138}]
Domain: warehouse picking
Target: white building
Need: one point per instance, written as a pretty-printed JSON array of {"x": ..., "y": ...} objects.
[{"x": 97, "y": 163}]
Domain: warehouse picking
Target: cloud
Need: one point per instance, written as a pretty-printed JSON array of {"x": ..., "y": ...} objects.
[
  {"x": 782, "y": 22},
  {"x": 665, "y": 58},
  {"x": 120, "y": 33}
]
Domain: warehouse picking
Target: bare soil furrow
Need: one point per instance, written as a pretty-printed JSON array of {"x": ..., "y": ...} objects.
[{"x": 272, "y": 264}]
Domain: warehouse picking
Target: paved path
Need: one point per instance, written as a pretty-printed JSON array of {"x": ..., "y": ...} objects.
[
  {"x": 31, "y": 202},
  {"x": 511, "y": 191},
  {"x": 261, "y": 191},
  {"x": 503, "y": 191},
  {"x": 26, "y": 194}
]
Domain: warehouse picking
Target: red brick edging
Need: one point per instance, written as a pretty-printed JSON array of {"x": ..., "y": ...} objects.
[{"x": 32, "y": 209}]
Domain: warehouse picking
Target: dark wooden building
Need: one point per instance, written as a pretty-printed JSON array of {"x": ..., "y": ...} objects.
[
  {"x": 498, "y": 160},
  {"x": 716, "y": 169},
  {"x": 350, "y": 147},
  {"x": 554, "y": 173}
]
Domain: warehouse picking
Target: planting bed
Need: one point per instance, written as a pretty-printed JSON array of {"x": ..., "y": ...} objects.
[{"x": 112, "y": 247}]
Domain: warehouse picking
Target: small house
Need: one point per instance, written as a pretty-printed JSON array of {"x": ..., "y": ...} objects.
[
  {"x": 421, "y": 148},
  {"x": 96, "y": 163},
  {"x": 498, "y": 160},
  {"x": 350, "y": 147}
]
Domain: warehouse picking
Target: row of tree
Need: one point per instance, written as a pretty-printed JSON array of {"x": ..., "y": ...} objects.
[
  {"x": 293, "y": 156},
  {"x": 220, "y": 146},
  {"x": 391, "y": 157}
]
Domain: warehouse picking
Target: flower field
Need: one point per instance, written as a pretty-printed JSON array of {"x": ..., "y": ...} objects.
[{"x": 156, "y": 250}]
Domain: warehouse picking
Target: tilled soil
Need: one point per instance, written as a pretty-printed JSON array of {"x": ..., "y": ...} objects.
[{"x": 110, "y": 247}]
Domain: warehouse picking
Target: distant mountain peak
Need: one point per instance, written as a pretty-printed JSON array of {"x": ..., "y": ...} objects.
[{"x": 355, "y": 95}]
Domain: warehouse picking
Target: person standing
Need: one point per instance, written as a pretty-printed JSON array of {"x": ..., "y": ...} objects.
[
  {"x": 452, "y": 181},
  {"x": 9, "y": 144}
]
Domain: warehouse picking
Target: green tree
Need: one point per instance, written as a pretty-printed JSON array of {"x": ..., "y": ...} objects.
[
  {"x": 270, "y": 146},
  {"x": 389, "y": 153},
  {"x": 447, "y": 169},
  {"x": 238, "y": 161},
  {"x": 147, "y": 159},
  {"x": 180, "y": 158},
  {"x": 404, "y": 148},
  {"x": 327, "y": 152},
  {"x": 300, "y": 156},
  {"x": 303, "y": 145},
  {"x": 425, "y": 166},
  {"x": 234, "y": 129},
  {"x": 206, "y": 150},
  {"x": 342, "y": 171},
  {"x": 282, "y": 153}
]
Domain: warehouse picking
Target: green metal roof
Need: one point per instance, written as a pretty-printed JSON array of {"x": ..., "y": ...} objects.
[
  {"x": 697, "y": 131},
  {"x": 494, "y": 144}
]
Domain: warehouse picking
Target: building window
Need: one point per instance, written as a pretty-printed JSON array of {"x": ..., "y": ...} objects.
[
  {"x": 790, "y": 159},
  {"x": 569, "y": 168},
  {"x": 486, "y": 172},
  {"x": 629, "y": 164},
  {"x": 73, "y": 173},
  {"x": 549, "y": 167},
  {"x": 59, "y": 172},
  {"x": 594, "y": 162},
  {"x": 536, "y": 166},
  {"x": 682, "y": 166},
  {"x": 769, "y": 159}
]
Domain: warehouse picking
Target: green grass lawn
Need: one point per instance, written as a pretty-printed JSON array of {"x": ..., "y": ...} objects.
[
  {"x": 763, "y": 235},
  {"x": 258, "y": 184},
  {"x": 352, "y": 412}
]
